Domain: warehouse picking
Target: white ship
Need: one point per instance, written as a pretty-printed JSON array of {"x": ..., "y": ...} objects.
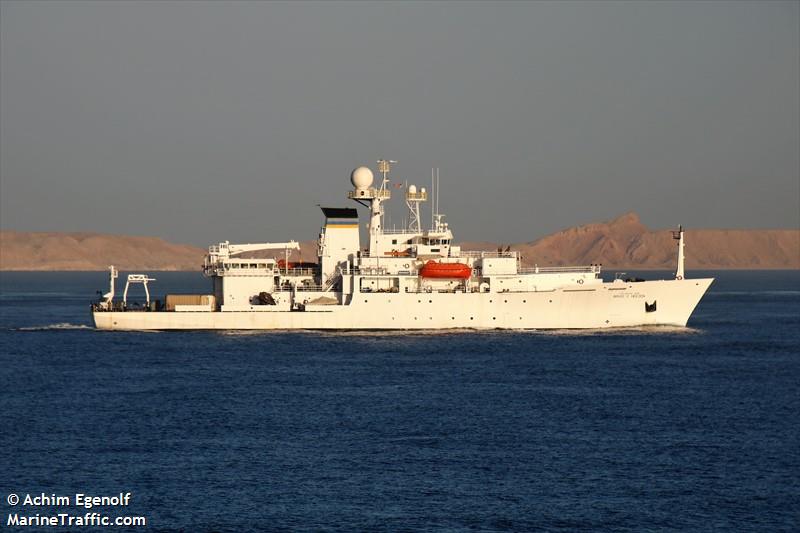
[{"x": 410, "y": 278}]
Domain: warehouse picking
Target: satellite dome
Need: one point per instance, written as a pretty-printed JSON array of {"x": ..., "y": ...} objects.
[
  {"x": 361, "y": 178},
  {"x": 412, "y": 189}
]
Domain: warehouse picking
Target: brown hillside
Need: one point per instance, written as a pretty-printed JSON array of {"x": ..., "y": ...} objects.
[
  {"x": 626, "y": 243},
  {"x": 620, "y": 243},
  {"x": 93, "y": 251}
]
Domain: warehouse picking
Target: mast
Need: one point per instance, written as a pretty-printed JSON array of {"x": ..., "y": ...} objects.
[
  {"x": 413, "y": 198},
  {"x": 109, "y": 296},
  {"x": 366, "y": 195},
  {"x": 678, "y": 235}
]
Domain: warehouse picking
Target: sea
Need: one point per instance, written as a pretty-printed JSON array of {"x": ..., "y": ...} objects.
[{"x": 642, "y": 429}]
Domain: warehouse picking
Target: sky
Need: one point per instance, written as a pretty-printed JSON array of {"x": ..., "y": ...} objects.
[{"x": 207, "y": 121}]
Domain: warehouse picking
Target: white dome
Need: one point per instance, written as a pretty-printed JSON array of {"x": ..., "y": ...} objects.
[
  {"x": 361, "y": 178},
  {"x": 422, "y": 190},
  {"x": 412, "y": 189}
]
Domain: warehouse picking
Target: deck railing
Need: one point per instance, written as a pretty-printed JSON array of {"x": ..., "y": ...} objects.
[
  {"x": 300, "y": 288},
  {"x": 566, "y": 269},
  {"x": 479, "y": 253},
  {"x": 399, "y": 231}
]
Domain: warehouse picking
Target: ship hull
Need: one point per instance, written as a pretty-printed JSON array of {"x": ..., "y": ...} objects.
[{"x": 605, "y": 305}]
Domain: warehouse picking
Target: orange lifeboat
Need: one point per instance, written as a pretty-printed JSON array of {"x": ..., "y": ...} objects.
[{"x": 432, "y": 269}]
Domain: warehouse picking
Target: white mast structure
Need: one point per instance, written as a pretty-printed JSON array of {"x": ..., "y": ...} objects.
[
  {"x": 109, "y": 296},
  {"x": 413, "y": 198},
  {"x": 678, "y": 235},
  {"x": 362, "y": 179}
]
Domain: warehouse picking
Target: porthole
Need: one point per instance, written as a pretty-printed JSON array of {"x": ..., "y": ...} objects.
[
  {"x": 430, "y": 301},
  {"x": 494, "y": 318},
  {"x": 524, "y": 301},
  {"x": 505, "y": 301}
]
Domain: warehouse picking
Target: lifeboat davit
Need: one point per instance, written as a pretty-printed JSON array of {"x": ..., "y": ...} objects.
[{"x": 432, "y": 269}]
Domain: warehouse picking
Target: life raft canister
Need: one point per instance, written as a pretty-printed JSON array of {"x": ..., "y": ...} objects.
[{"x": 433, "y": 269}]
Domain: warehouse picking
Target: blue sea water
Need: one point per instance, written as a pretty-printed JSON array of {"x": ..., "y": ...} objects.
[{"x": 631, "y": 430}]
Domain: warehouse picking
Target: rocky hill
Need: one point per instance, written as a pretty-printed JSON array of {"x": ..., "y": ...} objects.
[
  {"x": 620, "y": 243},
  {"x": 627, "y": 243},
  {"x": 93, "y": 251}
]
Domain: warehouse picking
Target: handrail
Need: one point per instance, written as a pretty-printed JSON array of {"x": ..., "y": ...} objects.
[
  {"x": 404, "y": 258},
  {"x": 269, "y": 271},
  {"x": 331, "y": 281},
  {"x": 479, "y": 253},
  {"x": 297, "y": 272},
  {"x": 299, "y": 288},
  {"x": 550, "y": 270},
  {"x": 395, "y": 231}
]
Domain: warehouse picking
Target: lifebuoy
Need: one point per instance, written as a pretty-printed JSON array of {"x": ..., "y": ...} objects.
[
  {"x": 405, "y": 265},
  {"x": 679, "y": 278},
  {"x": 580, "y": 282}
]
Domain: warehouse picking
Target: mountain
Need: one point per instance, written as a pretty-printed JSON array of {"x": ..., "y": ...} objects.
[
  {"x": 627, "y": 243},
  {"x": 94, "y": 251},
  {"x": 622, "y": 243}
]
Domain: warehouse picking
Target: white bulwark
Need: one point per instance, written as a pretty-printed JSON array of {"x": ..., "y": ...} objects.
[{"x": 412, "y": 278}]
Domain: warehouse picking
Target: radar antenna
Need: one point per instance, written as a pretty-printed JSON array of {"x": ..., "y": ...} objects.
[
  {"x": 413, "y": 198},
  {"x": 384, "y": 167}
]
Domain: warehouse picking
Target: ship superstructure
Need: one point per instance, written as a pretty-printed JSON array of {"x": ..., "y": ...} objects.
[{"x": 408, "y": 278}]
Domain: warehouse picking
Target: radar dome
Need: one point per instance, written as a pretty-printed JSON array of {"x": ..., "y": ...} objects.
[
  {"x": 361, "y": 178},
  {"x": 412, "y": 189}
]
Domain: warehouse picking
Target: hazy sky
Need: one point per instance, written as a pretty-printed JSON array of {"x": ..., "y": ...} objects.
[{"x": 200, "y": 122}]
